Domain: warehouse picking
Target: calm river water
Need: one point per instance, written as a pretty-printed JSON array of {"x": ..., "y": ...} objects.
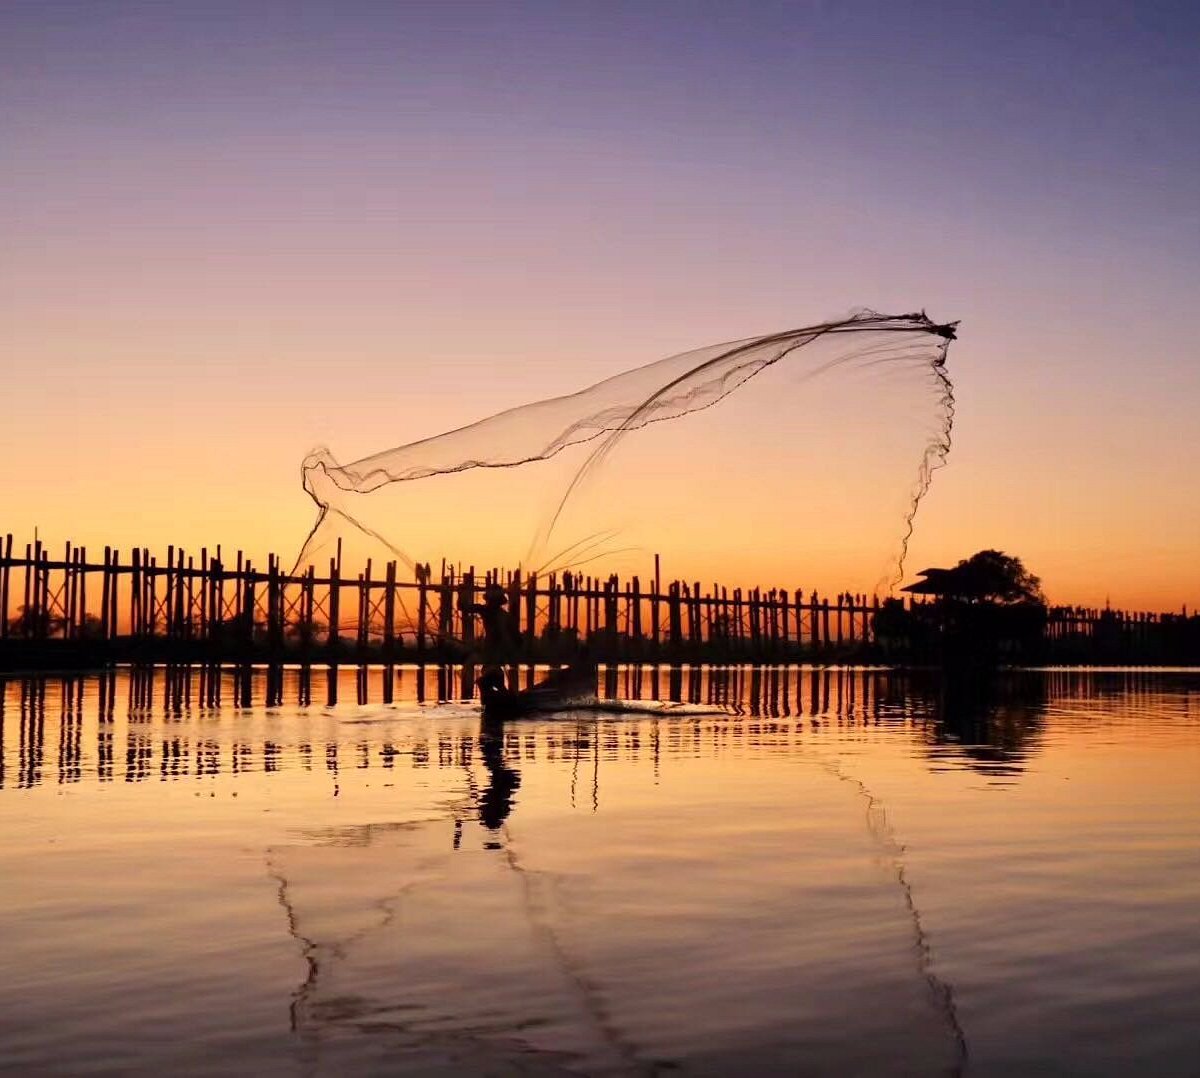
[{"x": 798, "y": 872}]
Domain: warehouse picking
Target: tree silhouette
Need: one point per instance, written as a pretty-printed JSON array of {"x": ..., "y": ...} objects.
[
  {"x": 31, "y": 621},
  {"x": 988, "y": 609},
  {"x": 991, "y": 576}
]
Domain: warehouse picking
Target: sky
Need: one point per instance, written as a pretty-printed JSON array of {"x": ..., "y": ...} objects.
[{"x": 235, "y": 231}]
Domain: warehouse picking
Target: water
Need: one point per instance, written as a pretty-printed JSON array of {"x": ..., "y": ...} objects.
[{"x": 838, "y": 872}]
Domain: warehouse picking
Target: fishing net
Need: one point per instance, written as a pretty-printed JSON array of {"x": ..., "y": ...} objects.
[{"x": 794, "y": 458}]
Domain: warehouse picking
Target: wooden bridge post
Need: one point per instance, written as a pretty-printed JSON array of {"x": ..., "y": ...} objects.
[
  {"x": 773, "y": 619},
  {"x": 205, "y": 588},
  {"x": 571, "y": 586},
  {"x": 766, "y": 603},
  {"x": 169, "y": 595},
  {"x": 183, "y": 591},
  {"x": 364, "y": 608},
  {"x": 216, "y": 613},
  {"x": 172, "y": 580},
  {"x": 655, "y": 597},
  {"x": 28, "y": 583},
  {"x": 674, "y": 616},
  {"x": 63, "y": 592},
  {"x": 136, "y": 593},
  {"x": 67, "y": 592},
  {"x": 553, "y": 607},
  {"x": 445, "y": 608},
  {"x": 422, "y": 605},
  {"x": 332, "y": 638},
  {"x": 239, "y": 591},
  {"x": 190, "y": 600},
  {"x": 389, "y": 609},
  {"x": 5, "y": 567},
  {"x": 726, "y": 622},
  {"x": 784, "y": 618},
  {"x": 531, "y": 583},
  {"x": 515, "y": 594},
  {"x": 635, "y": 611},
  {"x": 308, "y": 609},
  {"x": 105, "y": 593},
  {"x": 466, "y": 599},
  {"x": 42, "y": 588},
  {"x": 38, "y": 607},
  {"x": 248, "y": 600},
  {"x": 150, "y": 607},
  {"x": 274, "y": 604},
  {"x": 611, "y": 624},
  {"x": 114, "y": 592},
  {"x": 171, "y": 591},
  {"x": 81, "y": 604}
]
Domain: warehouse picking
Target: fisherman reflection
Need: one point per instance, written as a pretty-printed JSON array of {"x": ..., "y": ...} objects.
[{"x": 496, "y": 802}]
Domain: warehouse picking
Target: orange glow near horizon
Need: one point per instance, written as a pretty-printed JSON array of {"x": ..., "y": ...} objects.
[
  {"x": 205, "y": 277},
  {"x": 141, "y": 469}
]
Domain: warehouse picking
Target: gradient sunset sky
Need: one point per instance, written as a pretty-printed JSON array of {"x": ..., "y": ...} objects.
[{"x": 232, "y": 231}]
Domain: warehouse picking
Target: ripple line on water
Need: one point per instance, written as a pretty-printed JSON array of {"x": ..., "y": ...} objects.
[{"x": 885, "y": 839}]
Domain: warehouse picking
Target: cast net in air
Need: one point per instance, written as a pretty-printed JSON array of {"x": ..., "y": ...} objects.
[{"x": 794, "y": 458}]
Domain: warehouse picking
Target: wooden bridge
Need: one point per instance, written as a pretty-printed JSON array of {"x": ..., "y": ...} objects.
[{"x": 70, "y": 608}]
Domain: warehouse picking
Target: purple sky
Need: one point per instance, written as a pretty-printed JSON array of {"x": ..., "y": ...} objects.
[{"x": 337, "y": 207}]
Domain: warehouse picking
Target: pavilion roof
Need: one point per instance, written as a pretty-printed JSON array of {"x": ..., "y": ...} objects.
[{"x": 936, "y": 582}]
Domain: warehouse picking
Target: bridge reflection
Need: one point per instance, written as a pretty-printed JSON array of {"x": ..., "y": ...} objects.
[{"x": 171, "y": 723}]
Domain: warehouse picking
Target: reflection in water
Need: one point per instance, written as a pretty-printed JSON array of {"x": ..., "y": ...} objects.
[
  {"x": 536, "y": 906},
  {"x": 992, "y": 721},
  {"x": 993, "y": 726},
  {"x": 495, "y": 804},
  {"x": 496, "y": 801},
  {"x": 885, "y": 839},
  {"x": 308, "y": 949},
  {"x": 602, "y": 894}
]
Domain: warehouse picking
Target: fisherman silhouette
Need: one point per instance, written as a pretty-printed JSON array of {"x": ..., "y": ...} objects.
[
  {"x": 498, "y": 639},
  {"x": 499, "y": 643},
  {"x": 498, "y": 636}
]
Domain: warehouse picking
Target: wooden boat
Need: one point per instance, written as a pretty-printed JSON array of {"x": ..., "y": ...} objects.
[
  {"x": 572, "y": 688},
  {"x": 569, "y": 687}
]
